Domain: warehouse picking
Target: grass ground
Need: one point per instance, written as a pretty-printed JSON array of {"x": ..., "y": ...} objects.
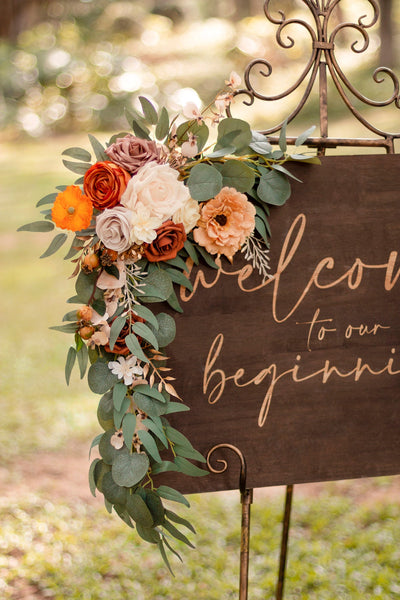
[{"x": 64, "y": 545}]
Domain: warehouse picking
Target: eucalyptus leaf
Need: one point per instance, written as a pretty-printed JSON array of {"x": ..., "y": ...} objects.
[
  {"x": 153, "y": 392},
  {"x": 178, "y": 519},
  {"x": 174, "y": 302},
  {"x": 100, "y": 378},
  {"x": 238, "y": 175},
  {"x": 176, "y": 533},
  {"x": 119, "y": 393},
  {"x": 92, "y": 482},
  {"x": 140, "y": 130},
  {"x": 150, "y": 406},
  {"x": 176, "y": 407},
  {"x": 162, "y": 127},
  {"x": 177, "y": 262},
  {"x": 149, "y": 444},
  {"x": 85, "y": 286},
  {"x": 128, "y": 469},
  {"x": 146, "y": 314},
  {"x": 139, "y": 511},
  {"x": 166, "y": 330},
  {"x": 115, "y": 330},
  {"x": 78, "y": 154},
  {"x": 191, "y": 250},
  {"x": 134, "y": 346},
  {"x": 100, "y": 470},
  {"x": 204, "y": 182},
  {"x": 242, "y": 137},
  {"x": 303, "y": 136},
  {"x": 116, "y": 494},
  {"x": 106, "y": 450},
  {"x": 158, "y": 286},
  {"x": 71, "y": 316},
  {"x": 273, "y": 188},
  {"x": 282, "y": 137},
  {"x": 149, "y": 111},
  {"x": 148, "y": 534},
  {"x": 285, "y": 171},
  {"x": 163, "y": 467},
  {"x": 158, "y": 431},
  {"x": 118, "y": 415},
  {"x": 128, "y": 428},
  {"x": 105, "y": 411},
  {"x": 83, "y": 357},
  {"x": 188, "y": 468},
  {"x": 98, "y": 148},
  {"x": 146, "y": 333},
  {"x": 37, "y": 226},
  {"x": 199, "y": 130},
  {"x": 225, "y": 151},
  {"x": 69, "y": 365},
  {"x": 67, "y": 328},
  {"x": 154, "y": 504},
  {"x": 123, "y": 514},
  {"x": 76, "y": 167},
  {"x": 49, "y": 199}
]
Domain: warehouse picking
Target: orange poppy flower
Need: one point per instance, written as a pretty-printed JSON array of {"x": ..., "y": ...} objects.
[{"x": 72, "y": 210}]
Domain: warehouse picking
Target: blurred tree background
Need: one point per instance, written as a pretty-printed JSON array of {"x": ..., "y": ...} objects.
[{"x": 76, "y": 64}]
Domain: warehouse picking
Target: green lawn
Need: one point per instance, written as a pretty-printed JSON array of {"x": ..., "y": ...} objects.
[{"x": 340, "y": 549}]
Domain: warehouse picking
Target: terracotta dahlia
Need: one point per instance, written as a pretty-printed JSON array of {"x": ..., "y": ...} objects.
[{"x": 225, "y": 222}]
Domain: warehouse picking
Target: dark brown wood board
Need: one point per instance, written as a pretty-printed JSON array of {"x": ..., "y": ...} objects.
[{"x": 302, "y": 374}]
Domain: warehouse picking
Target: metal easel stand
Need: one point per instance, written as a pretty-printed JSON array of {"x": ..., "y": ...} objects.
[
  {"x": 322, "y": 62},
  {"x": 246, "y": 499}
]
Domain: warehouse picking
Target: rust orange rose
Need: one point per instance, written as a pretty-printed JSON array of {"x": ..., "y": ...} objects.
[
  {"x": 120, "y": 346},
  {"x": 104, "y": 183},
  {"x": 170, "y": 239},
  {"x": 225, "y": 222}
]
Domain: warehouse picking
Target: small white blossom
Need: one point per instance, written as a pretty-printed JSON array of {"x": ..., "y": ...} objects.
[
  {"x": 125, "y": 368},
  {"x": 117, "y": 440},
  {"x": 191, "y": 111},
  {"x": 190, "y": 148},
  {"x": 144, "y": 225},
  {"x": 234, "y": 80}
]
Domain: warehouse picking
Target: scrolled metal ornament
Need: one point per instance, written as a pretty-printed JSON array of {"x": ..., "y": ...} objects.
[{"x": 323, "y": 39}]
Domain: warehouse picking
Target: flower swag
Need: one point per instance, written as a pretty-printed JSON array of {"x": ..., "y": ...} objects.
[{"x": 148, "y": 203}]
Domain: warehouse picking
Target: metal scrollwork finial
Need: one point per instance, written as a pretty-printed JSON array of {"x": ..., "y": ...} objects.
[
  {"x": 224, "y": 464},
  {"x": 322, "y": 59}
]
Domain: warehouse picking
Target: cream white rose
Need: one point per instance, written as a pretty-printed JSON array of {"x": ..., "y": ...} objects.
[
  {"x": 113, "y": 226},
  {"x": 189, "y": 214},
  {"x": 155, "y": 187}
]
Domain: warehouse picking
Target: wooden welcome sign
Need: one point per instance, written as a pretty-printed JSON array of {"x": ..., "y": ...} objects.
[{"x": 302, "y": 372}]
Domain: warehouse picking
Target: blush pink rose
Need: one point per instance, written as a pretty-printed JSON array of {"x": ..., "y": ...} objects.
[{"x": 131, "y": 153}]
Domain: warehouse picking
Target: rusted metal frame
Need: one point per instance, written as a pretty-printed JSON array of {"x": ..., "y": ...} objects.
[
  {"x": 246, "y": 499},
  {"x": 321, "y": 11},
  {"x": 284, "y": 542}
]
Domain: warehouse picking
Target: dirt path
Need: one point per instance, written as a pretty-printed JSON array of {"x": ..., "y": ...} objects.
[{"x": 64, "y": 476}]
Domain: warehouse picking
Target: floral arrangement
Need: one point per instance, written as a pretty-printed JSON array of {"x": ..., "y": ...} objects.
[{"x": 146, "y": 205}]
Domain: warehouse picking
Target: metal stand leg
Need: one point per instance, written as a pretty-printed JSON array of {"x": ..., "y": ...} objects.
[
  {"x": 246, "y": 499},
  {"x": 284, "y": 542}
]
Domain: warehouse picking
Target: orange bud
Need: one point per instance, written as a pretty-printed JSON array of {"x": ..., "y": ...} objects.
[
  {"x": 86, "y": 332},
  {"x": 91, "y": 261},
  {"x": 85, "y": 313}
]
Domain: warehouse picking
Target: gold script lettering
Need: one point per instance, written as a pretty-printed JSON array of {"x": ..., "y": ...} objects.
[{"x": 326, "y": 372}]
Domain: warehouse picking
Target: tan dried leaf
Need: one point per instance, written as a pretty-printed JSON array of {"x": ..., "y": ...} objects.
[
  {"x": 170, "y": 379},
  {"x": 171, "y": 390},
  {"x": 164, "y": 369},
  {"x": 160, "y": 386},
  {"x": 75, "y": 271},
  {"x": 152, "y": 379}
]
